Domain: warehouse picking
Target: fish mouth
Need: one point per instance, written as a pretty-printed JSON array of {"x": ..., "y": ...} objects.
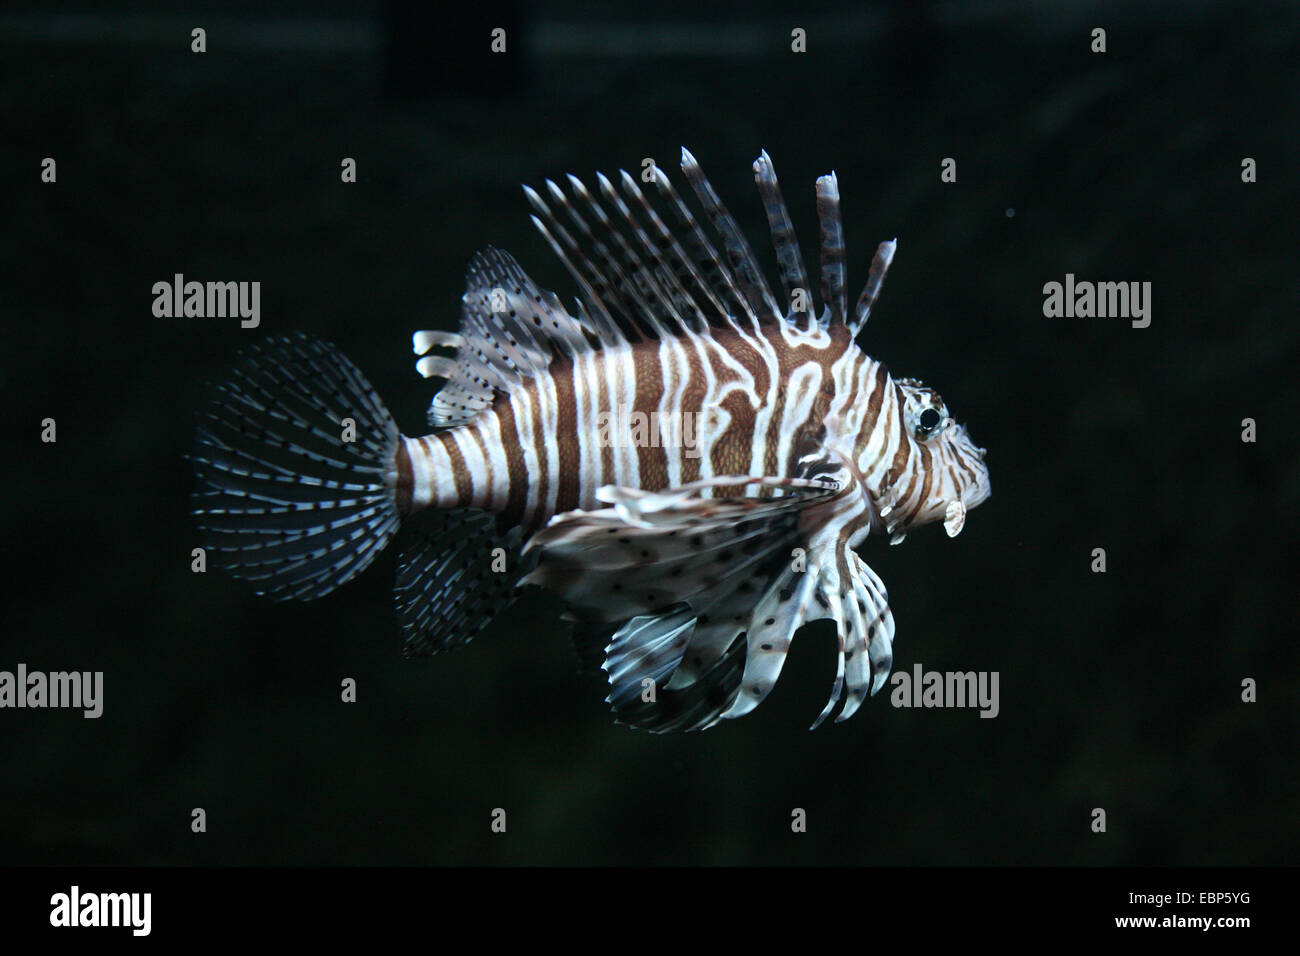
[{"x": 966, "y": 486}]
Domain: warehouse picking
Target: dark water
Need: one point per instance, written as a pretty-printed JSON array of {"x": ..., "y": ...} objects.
[{"x": 1119, "y": 690}]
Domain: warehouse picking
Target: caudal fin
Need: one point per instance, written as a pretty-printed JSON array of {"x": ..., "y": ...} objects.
[{"x": 295, "y": 460}]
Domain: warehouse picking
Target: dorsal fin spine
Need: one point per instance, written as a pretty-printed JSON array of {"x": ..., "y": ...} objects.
[
  {"x": 647, "y": 314},
  {"x": 649, "y": 276},
  {"x": 607, "y": 275},
  {"x": 710, "y": 254},
  {"x": 668, "y": 286},
  {"x": 608, "y": 298},
  {"x": 666, "y": 241},
  {"x": 875, "y": 278},
  {"x": 743, "y": 263},
  {"x": 832, "y": 248},
  {"x": 789, "y": 259},
  {"x": 595, "y": 308}
]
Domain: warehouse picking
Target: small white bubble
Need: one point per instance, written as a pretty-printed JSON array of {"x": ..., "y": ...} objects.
[{"x": 1011, "y": 212}]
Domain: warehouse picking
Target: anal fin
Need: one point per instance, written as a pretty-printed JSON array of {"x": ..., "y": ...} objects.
[{"x": 456, "y": 572}]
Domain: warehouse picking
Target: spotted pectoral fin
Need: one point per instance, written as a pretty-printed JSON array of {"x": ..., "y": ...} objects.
[
  {"x": 654, "y": 549},
  {"x": 782, "y": 610},
  {"x": 846, "y": 591},
  {"x": 835, "y": 584},
  {"x": 867, "y": 636},
  {"x": 639, "y": 568}
]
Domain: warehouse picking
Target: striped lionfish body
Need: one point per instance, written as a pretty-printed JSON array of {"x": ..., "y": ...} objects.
[{"x": 687, "y": 460}]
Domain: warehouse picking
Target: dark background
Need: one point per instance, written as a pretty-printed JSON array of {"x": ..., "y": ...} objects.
[{"x": 1119, "y": 691}]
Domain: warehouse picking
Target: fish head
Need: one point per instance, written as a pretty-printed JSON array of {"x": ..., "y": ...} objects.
[{"x": 944, "y": 475}]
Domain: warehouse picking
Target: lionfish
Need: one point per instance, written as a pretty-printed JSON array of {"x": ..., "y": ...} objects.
[{"x": 688, "y": 461}]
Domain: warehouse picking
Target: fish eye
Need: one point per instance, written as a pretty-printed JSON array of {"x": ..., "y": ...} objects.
[{"x": 928, "y": 423}]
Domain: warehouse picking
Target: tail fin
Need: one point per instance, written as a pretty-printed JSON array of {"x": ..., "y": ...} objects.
[{"x": 296, "y": 462}]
